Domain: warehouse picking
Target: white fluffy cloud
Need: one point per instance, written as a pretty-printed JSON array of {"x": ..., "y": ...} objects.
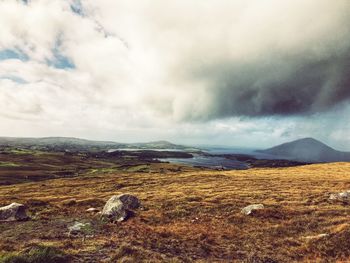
[{"x": 132, "y": 70}]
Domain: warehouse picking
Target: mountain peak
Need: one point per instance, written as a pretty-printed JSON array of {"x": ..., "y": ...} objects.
[
  {"x": 308, "y": 149},
  {"x": 308, "y": 139}
]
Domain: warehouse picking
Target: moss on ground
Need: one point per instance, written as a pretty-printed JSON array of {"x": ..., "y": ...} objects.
[{"x": 36, "y": 254}]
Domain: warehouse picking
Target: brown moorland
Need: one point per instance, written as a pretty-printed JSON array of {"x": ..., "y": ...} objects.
[{"x": 188, "y": 215}]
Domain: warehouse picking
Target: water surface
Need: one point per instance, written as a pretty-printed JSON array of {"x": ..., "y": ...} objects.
[{"x": 209, "y": 162}]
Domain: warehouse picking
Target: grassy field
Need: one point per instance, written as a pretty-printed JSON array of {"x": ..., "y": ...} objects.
[
  {"x": 21, "y": 166},
  {"x": 188, "y": 215}
]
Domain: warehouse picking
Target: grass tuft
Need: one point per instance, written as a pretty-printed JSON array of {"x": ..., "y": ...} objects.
[{"x": 36, "y": 254}]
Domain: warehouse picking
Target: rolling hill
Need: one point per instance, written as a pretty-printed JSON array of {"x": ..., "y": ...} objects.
[
  {"x": 76, "y": 144},
  {"x": 308, "y": 150}
]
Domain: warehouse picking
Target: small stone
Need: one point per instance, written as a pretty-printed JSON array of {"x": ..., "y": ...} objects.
[
  {"x": 250, "y": 208},
  {"x": 78, "y": 228},
  {"x": 342, "y": 196},
  {"x": 194, "y": 220},
  {"x": 13, "y": 212}
]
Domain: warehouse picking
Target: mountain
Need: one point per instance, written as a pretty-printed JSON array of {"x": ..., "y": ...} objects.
[
  {"x": 308, "y": 150},
  {"x": 76, "y": 144}
]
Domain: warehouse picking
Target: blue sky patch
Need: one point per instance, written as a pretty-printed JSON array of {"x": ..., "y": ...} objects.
[
  {"x": 14, "y": 78},
  {"x": 60, "y": 61},
  {"x": 12, "y": 54},
  {"x": 77, "y": 8}
]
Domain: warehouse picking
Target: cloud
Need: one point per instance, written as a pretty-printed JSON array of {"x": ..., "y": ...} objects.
[
  {"x": 254, "y": 58},
  {"x": 151, "y": 68}
]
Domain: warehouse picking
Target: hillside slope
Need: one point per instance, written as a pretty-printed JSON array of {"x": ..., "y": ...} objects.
[
  {"x": 188, "y": 216},
  {"x": 309, "y": 150},
  {"x": 76, "y": 144}
]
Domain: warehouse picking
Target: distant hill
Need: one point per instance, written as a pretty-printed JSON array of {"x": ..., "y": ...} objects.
[
  {"x": 76, "y": 144},
  {"x": 159, "y": 145},
  {"x": 308, "y": 150}
]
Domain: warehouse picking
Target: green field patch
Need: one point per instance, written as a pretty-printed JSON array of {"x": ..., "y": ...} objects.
[
  {"x": 139, "y": 168},
  {"x": 8, "y": 164},
  {"x": 102, "y": 170},
  {"x": 24, "y": 151}
]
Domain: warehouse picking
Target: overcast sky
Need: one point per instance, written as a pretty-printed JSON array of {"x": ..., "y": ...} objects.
[{"x": 249, "y": 73}]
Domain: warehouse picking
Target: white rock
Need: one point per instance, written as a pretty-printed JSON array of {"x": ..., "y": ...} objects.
[
  {"x": 78, "y": 228},
  {"x": 342, "y": 196},
  {"x": 250, "y": 208},
  {"x": 332, "y": 197},
  {"x": 13, "y": 212},
  {"x": 119, "y": 207}
]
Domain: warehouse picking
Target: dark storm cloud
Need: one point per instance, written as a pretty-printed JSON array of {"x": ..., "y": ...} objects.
[
  {"x": 278, "y": 85},
  {"x": 256, "y": 58}
]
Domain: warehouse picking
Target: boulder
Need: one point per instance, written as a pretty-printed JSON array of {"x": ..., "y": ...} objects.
[
  {"x": 343, "y": 196},
  {"x": 78, "y": 228},
  {"x": 13, "y": 212},
  {"x": 250, "y": 208},
  {"x": 119, "y": 207}
]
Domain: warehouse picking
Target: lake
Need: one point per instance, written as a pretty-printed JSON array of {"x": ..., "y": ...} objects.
[
  {"x": 219, "y": 161},
  {"x": 209, "y": 162}
]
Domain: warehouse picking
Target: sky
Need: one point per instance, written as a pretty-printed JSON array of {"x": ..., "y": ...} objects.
[{"x": 246, "y": 73}]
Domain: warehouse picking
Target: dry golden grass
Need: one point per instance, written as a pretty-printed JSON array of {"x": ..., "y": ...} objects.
[{"x": 190, "y": 216}]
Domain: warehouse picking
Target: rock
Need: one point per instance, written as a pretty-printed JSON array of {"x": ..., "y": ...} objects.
[
  {"x": 119, "y": 207},
  {"x": 343, "y": 196},
  {"x": 92, "y": 210},
  {"x": 194, "y": 220},
  {"x": 250, "y": 208},
  {"x": 13, "y": 212},
  {"x": 78, "y": 228}
]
